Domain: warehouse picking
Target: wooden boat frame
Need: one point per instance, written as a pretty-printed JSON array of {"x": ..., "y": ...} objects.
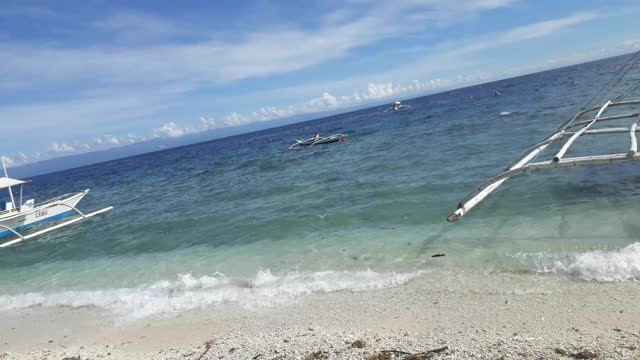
[
  {"x": 28, "y": 215},
  {"x": 300, "y": 143},
  {"x": 567, "y": 130}
]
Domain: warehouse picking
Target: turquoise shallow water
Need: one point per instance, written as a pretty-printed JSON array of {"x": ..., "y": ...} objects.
[{"x": 245, "y": 220}]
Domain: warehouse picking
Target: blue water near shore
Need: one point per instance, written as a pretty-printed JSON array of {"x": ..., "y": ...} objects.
[{"x": 245, "y": 220}]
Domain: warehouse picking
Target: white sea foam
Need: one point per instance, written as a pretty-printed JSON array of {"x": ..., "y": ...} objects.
[
  {"x": 607, "y": 266},
  {"x": 505, "y": 113},
  {"x": 189, "y": 292}
]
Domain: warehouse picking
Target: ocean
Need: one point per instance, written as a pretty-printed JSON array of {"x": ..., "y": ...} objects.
[{"x": 245, "y": 220}]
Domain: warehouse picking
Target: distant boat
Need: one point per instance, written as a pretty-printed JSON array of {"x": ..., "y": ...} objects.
[
  {"x": 300, "y": 143},
  {"x": 16, "y": 217},
  {"x": 497, "y": 93},
  {"x": 397, "y": 106}
]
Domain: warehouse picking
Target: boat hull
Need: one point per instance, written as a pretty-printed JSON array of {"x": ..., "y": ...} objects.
[
  {"x": 326, "y": 140},
  {"x": 53, "y": 210}
]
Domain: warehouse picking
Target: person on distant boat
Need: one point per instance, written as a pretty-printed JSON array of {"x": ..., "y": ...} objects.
[
  {"x": 317, "y": 137},
  {"x": 397, "y": 105}
]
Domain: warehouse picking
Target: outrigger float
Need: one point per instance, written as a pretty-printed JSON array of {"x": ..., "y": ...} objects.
[
  {"x": 300, "y": 143},
  {"x": 581, "y": 124},
  {"x": 16, "y": 218}
]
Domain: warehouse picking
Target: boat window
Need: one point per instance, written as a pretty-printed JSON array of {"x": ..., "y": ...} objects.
[{"x": 4, "y": 197}]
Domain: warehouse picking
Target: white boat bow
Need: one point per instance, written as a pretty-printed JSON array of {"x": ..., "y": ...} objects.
[{"x": 18, "y": 216}]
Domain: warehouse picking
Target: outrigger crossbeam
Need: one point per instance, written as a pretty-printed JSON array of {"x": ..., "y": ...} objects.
[
  {"x": 81, "y": 217},
  {"x": 525, "y": 163},
  {"x": 17, "y": 215}
]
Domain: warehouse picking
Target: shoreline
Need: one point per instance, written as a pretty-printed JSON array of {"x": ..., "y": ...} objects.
[{"x": 473, "y": 315}]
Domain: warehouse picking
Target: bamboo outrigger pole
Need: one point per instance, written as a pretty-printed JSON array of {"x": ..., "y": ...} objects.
[{"x": 525, "y": 163}]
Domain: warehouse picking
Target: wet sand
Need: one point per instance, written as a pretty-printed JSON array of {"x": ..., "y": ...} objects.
[{"x": 462, "y": 315}]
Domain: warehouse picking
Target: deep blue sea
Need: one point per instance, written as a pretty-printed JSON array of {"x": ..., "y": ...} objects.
[{"x": 245, "y": 220}]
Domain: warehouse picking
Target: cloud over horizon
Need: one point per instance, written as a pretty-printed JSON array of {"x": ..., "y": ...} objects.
[{"x": 135, "y": 75}]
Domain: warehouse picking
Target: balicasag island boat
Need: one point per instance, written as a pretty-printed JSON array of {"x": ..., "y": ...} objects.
[
  {"x": 587, "y": 122},
  {"x": 18, "y": 216},
  {"x": 397, "y": 106},
  {"x": 300, "y": 143}
]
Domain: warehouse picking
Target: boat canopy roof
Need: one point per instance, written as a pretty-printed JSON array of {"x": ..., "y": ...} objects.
[{"x": 6, "y": 182}]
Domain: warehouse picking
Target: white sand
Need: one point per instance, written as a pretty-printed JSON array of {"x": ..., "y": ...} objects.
[{"x": 487, "y": 316}]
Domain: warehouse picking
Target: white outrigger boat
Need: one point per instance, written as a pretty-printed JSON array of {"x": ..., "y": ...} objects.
[
  {"x": 397, "y": 106},
  {"x": 584, "y": 123},
  {"x": 16, "y": 217},
  {"x": 300, "y": 143}
]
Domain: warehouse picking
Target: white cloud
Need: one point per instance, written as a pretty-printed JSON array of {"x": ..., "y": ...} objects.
[
  {"x": 548, "y": 27},
  {"x": 134, "y": 27},
  {"x": 140, "y": 80},
  {"x": 171, "y": 130},
  {"x": 323, "y": 103},
  {"x": 631, "y": 44},
  {"x": 173, "y": 68},
  {"x": 454, "y": 52},
  {"x": 8, "y": 162},
  {"x": 326, "y": 102},
  {"x": 257, "y": 54},
  {"x": 109, "y": 141},
  {"x": 60, "y": 148},
  {"x": 493, "y": 4}
]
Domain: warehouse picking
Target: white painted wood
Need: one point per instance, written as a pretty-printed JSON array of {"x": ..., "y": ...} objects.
[
  {"x": 15, "y": 219},
  {"x": 55, "y": 227},
  {"x": 633, "y": 150},
  {"x": 606, "y": 118},
  {"x": 525, "y": 163},
  {"x": 584, "y": 160},
  {"x": 623, "y": 103},
  {"x": 490, "y": 186},
  {"x": 573, "y": 137}
]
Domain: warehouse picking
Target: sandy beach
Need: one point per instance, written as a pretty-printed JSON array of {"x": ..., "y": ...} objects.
[{"x": 437, "y": 315}]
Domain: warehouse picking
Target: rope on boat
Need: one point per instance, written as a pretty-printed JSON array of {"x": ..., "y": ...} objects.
[
  {"x": 620, "y": 74},
  {"x": 633, "y": 60}
]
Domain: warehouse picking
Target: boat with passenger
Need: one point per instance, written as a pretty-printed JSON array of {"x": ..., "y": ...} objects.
[
  {"x": 397, "y": 106},
  {"x": 318, "y": 140}
]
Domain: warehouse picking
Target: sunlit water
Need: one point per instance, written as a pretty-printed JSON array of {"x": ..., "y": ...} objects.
[{"x": 245, "y": 220}]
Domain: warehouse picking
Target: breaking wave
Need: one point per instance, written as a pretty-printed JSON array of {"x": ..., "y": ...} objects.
[
  {"x": 598, "y": 265},
  {"x": 189, "y": 292}
]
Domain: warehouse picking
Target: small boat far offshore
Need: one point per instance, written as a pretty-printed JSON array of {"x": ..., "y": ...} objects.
[
  {"x": 16, "y": 217},
  {"x": 300, "y": 143},
  {"x": 397, "y": 106}
]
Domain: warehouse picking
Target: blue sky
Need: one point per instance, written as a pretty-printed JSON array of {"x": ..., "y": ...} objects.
[{"x": 81, "y": 76}]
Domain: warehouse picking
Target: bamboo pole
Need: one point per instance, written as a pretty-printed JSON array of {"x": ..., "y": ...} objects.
[
  {"x": 573, "y": 137},
  {"x": 607, "y": 118},
  {"x": 633, "y": 150},
  {"x": 55, "y": 227},
  {"x": 490, "y": 186},
  {"x": 584, "y": 160},
  {"x": 628, "y": 102}
]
